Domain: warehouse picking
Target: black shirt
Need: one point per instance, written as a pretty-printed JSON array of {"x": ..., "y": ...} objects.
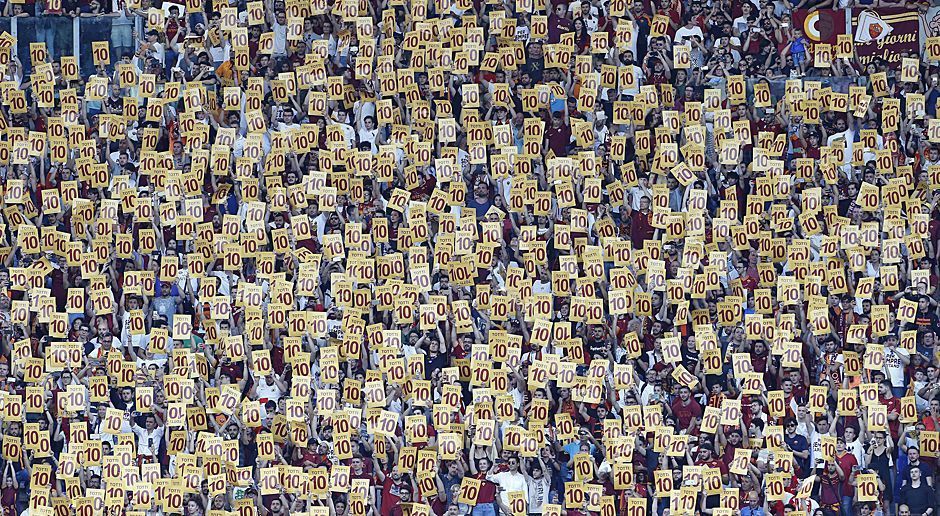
[{"x": 919, "y": 498}]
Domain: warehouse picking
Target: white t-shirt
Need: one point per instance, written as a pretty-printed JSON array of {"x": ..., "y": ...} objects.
[
  {"x": 921, "y": 403},
  {"x": 646, "y": 393},
  {"x": 815, "y": 446},
  {"x": 640, "y": 78},
  {"x": 126, "y": 338},
  {"x": 894, "y": 367},
  {"x": 849, "y": 137},
  {"x": 856, "y": 448},
  {"x": 280, "y": 39},
  {"x": 510, "y": 482},
  {"x": 349, "y": 133},
  {"x": 684, "y": 35},
  {"x": 159, "y": 52},
  {"x": 538, "y": 493},
  {"x": 221, "y": 53},
  {"x": 146, "y": 437},
  {"x": 270, "y": 392},
  {"x": 590, "y": 21},
  {"x": 369, "y": 135},
  {"x": 540, "y": 287},
  {"x": 517, "y": 396},
  {"x": 282, "y": 126},
  {"x": 637, "y": 193}
]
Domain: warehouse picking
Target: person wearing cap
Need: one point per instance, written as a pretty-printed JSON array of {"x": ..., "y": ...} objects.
[
  {"x": 601, "y": 132},
  {"x": 151, "y": 46},
  {"x": 797, "y": 444}
]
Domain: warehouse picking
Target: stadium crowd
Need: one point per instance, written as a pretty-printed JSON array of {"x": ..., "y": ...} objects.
[{"x": 400, "y": 258}]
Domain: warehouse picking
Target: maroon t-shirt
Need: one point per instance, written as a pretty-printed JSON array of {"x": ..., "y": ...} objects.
[
  {"x": 558, "y": 139},
  {"x": 685, "y": 413},
  {"x": 558, "y": 26},
  {"x": 894, "y": 405},
  {"x": 641, "y": 228},
  {"x": 390, "y": 496},
  {"x": 487, "y": 489},
  {"x": 845, "y": 463}
]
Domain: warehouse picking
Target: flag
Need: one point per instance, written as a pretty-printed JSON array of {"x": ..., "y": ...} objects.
[
  {"x": 870, "y": 27},
  {"x": 820, "y": 26}
]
